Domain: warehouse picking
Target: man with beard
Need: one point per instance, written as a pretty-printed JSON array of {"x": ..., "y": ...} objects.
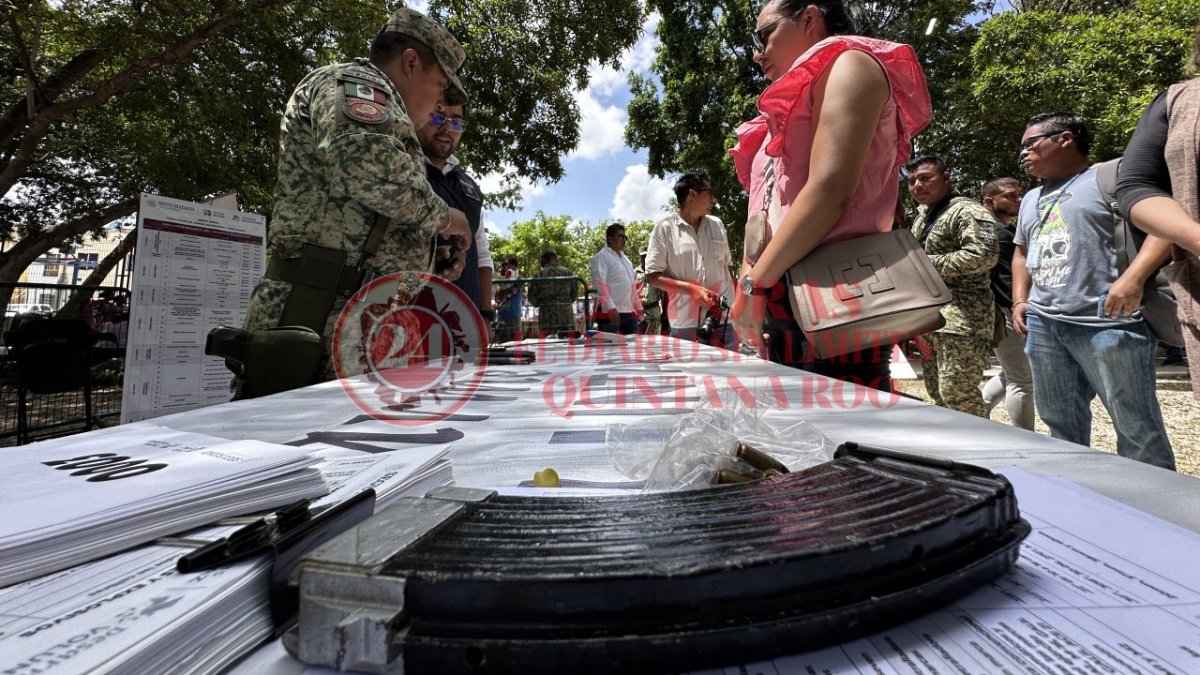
[{"x": 439, "y": 139}]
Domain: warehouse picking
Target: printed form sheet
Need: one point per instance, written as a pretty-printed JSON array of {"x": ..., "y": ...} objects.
[
  {"x": 195, "y": 268},
  {"x": 1099, "y": 588}
]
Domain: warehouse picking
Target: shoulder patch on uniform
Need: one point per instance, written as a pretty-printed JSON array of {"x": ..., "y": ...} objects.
[
  {"x": 364, "y": 74},
  {"x": 363, "y": 91},
  {"x": 368, "y": 112},
  {"x": 363, "y": 102}
]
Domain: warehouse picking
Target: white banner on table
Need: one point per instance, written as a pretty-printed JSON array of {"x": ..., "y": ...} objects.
[{"x": 195, "y": 268}]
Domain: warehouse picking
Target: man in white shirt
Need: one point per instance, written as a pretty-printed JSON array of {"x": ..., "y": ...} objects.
[
  {"x": 618, "y": 307},
  {"x": 688, "y": 257}
]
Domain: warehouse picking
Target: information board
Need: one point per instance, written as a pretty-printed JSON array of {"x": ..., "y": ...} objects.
[{"x": 194, "y": 269}]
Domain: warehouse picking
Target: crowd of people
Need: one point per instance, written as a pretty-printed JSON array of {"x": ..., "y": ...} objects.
[{"x": 369, "y": 181}]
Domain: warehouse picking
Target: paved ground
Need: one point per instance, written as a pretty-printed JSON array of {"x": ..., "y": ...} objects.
[{"x": 1181, "y": 414}]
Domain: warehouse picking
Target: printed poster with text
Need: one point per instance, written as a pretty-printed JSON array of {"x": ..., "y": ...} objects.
[{"x": 194, "y": 270}]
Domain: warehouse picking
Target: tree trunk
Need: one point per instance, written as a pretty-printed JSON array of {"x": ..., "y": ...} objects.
[
  {"x": 87, "y": 289},
  {"x": 17, "y": 259},
  {"x": 44, "y": 117}
]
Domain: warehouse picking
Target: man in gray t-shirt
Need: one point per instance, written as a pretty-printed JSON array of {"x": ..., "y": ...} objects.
[{"x": 1085, "y": 335}]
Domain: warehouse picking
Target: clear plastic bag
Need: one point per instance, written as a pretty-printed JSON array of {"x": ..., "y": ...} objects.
[{"x": 688, "y": 452}]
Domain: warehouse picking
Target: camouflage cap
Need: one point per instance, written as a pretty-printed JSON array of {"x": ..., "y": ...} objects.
[{"x": 449, "y": 53}]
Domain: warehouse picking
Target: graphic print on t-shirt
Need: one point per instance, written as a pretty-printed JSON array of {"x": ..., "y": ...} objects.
[{"x": 1052, "y": 244}]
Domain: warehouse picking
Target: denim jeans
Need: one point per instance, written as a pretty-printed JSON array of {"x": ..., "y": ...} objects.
[{"x": 1072, "y": 363}]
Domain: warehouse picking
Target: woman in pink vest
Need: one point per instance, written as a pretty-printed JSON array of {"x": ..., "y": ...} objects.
[{"x": 822, "y": 159}]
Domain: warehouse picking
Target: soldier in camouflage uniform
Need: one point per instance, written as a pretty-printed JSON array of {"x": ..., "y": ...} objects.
[
  {"x": 958, "y": 235},
  {"x": 555, "y": 300},
  {"x": 652, "y": 300},
  {"x": 348, "y": 155}
]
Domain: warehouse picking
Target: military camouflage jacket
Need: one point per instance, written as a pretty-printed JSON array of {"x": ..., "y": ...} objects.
[
  {"x": 555, "y": 300},
  {"x": 961, "y": 242},
  {"x": 348, "y": 152}
]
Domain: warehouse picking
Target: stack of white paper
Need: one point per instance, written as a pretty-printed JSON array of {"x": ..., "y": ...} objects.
[
  {"x": 66, "y": 502},
  {"x": 133, "y": 613}
]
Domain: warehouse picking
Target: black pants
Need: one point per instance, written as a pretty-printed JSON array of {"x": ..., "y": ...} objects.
[{"x": 786, "y": 345}]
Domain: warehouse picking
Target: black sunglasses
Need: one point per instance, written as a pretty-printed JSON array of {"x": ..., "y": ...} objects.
[{"x": 760, "y": 36}]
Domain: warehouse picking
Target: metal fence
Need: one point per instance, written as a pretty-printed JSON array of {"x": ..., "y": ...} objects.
[
  {"x": 106, "y": 311},
  {"x": 581, "y": 308}
]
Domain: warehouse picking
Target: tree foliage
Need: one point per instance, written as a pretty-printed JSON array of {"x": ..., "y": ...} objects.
[
  {"x": 574, "y": 241},
  {"x": 1103, "y": 67},
  {"x": 525, "y": 60},
  {"x": 100, "y": 101},
  {"x": 705, "y": 82},
  {"x": 1103, "y": 59}
]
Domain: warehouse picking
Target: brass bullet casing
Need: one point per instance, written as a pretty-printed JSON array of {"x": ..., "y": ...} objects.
[{"x": 759, "y": 459}]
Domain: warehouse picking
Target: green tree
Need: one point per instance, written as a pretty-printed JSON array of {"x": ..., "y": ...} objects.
[
  {"x": 525, "y": 60},
  {"x": 574, "y": 241},
  {"x": 705, "y": 82},
  {"x": 101, "y": 101},
  {"x": 1103, "y": 67}
]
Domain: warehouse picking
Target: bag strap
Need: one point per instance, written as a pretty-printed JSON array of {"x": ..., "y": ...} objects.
[
  {"x": 374, "y": 240},
  {"x": 1106, "y": 183}
]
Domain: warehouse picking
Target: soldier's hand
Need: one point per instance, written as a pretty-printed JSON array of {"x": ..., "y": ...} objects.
[
  {"x": 459, "y": 229},
  {"x": 452, "y": 270}
]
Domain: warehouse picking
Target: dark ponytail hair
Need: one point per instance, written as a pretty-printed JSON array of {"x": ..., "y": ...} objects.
[{"x": 841, "y": 18}]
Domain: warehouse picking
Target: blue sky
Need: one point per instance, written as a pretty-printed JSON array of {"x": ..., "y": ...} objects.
[{"x": 603, "y": 178}]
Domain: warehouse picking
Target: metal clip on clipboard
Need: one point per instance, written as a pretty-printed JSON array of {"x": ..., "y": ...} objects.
[{"x": 294, "y": 531}]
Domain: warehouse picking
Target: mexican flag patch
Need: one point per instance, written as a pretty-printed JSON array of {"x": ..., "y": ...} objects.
[{"x": 364, "y": 91}]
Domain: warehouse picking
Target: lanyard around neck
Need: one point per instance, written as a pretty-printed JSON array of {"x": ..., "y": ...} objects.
[{"x": 1045, "y": 215}]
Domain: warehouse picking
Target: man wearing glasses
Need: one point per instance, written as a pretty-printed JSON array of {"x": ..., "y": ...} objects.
[
  {"x": 688, "y": 257},
  {"x": 618, "y": 307},
  {"x": 1081, "y": 317},
  {"x": 439, "y": 139}
]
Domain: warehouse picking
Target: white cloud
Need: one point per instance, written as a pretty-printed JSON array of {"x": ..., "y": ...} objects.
[
  {"x": 640, "y": 196},
  {"x": 601, "y": 127},
  {"x": 604, "y": 80},
  {"x": 496, "y": 182},
  {"x": 640, "y": 56}
]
